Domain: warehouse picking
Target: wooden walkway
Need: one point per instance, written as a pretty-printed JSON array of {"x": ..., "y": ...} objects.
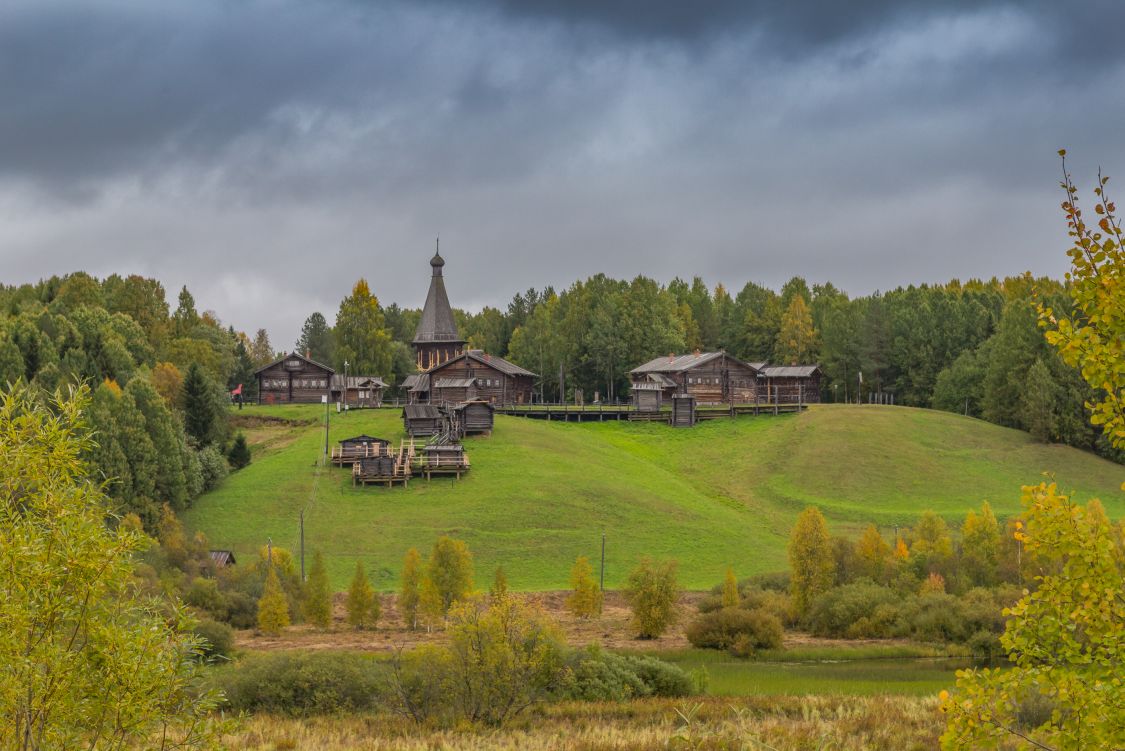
[{"x": 603, "y": 413}]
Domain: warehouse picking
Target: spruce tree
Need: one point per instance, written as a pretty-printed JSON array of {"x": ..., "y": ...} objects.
[
  {"x": 1038, "y": 403},
  {"x": 239, "y": 454},
  {"x": 273, "y": 607},
  {"x": 318, "y": 594},
  {"x": 410, "y": 593},
  {"x": 198, "y": 406},
  {"x": 360, "y": 599}
]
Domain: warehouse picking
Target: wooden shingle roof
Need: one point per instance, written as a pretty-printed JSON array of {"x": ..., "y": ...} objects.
[{"x": 437, "y": 323}]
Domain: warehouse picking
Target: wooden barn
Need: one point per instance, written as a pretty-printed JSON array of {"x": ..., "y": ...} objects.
[
  {"x": 422, "y": 420},
  {"x": 683, "y": 411},
  {"x": 446, "y": 390},
  {"x": 792, "y": 384},
  {"x": 360, "y": 391},
  {"x": 711, "y": 377},
  {"x": 294, "y": 379},
  {"x": 476, "y": 417}
]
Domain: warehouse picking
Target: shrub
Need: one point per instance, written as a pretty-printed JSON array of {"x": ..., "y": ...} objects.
[
  {"x": 585, "y": 600},
  {"x": 213, "y": 466},
  {"x": 594, "y": 675},
  {"x": 652, "y": 593},
  {"x": 985, "y": 649},
  {"x": 219, "y": 636},
  {"x": 204, "y": 594},
  {"x": 776, "y": 581},
  {"x": 833, "y": 613},
  {"x": 741, "y": 631},
  {"x": 303, "y": 683},
  {"x": 242, "y": 609}
]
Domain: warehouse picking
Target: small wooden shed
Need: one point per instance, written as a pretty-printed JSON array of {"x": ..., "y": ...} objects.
[
  {"x": 422, "y": 420},
  {"x": 647, "y": 396},
  {"x": 476, "y": 417},
  {"x": 683, "y": 411},
  {"x": 359, "y": 447}
]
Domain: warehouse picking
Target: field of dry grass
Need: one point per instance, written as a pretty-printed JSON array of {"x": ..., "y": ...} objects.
[{"x": 704, "y": 724}]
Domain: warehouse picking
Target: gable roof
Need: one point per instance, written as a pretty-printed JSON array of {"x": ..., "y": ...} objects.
[
  {"x": 493, "y": 361},
  {"x": 298, "y": 356},
  {"x": 223, "y": 558},
  {"x": 358, "y": 382},
  {"x": 437, "y": 323},
  {"x": 420, "y": 411},
  {"x": 790, "y": 371},
  {"x": 364, "y": 438},
  {"x": 417, "y": 382},
  {"x": 682, "y": 363}
]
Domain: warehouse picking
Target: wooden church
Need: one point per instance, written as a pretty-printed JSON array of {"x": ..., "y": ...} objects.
[{"x": 450, "y": 374}]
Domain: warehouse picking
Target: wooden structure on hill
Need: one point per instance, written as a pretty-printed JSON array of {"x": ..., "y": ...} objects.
[
  {"x": 683, "y": 411},
  {"x": 387, "y": 468},
  {"x": 441, "y": 459},
  {"x": 421, "y": 420},
  {"x": 359, "y": 391},
  {"x": 351, "y": 450},
  {"x": 792, "y": 384},
  {"x": 436, "y": 340},
  {"x": 293, "y": 379},
  {"x": 476, "y": 417},
  {"x": 223, "y": 558},
  {"x": 450, "y": 374},
  {"x": 711, "y": 377}
]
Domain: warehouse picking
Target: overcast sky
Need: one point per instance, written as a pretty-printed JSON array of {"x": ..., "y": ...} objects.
[{"x": 267, "y": 153}]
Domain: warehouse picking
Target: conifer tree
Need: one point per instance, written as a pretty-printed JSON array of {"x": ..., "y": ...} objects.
[
  {"x": 410, "y": 591},
  {"x": 797, "y": 340},
  {"x": 239, "y": 454},
  {"x": 1038, "y": 403},
  {"x": 585, "y": 600},
  {"x": 198, "y": 406},
  {"x": 318, "y": 594},
  {"x": 730, "y": 590},
  {"x": 273, "y": 607},
  {"x": 316, "y": 339},
  {"x": 812, "y": 567},
  {"x": 360, "y": 599}
]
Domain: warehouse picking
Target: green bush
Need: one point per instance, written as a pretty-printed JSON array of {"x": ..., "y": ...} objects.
[
  {"x": 741, "y": 631},
  {"x": 985, "y": 649},
  {"x": 213, "y": 465},
  {"x": 302, "y": 684},
  {"x": 220, "y": 639},
  {"x": 777, "y": 581},
  {"x": 594, "y": 675},
  {"x": 835, "y": 612}
]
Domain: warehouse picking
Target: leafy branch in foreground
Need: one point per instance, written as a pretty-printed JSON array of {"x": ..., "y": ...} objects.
[
  {"x": 84, "y": 662},
  {"x": 1066, "y": 641}
]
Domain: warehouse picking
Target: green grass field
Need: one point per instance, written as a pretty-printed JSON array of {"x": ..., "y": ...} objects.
[{"x": 724, "y": 492}]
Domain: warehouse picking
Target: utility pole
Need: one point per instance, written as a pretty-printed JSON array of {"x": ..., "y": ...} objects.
[
  {"x": 269, "y": 553},
  {"x": 325, "y": 398},
  {"x": 344, "y": 391},
  {"x": 602, "y": 582},
  {"x": 302, "y": 545}
]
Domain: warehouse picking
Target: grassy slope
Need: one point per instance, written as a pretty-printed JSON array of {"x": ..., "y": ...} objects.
[{"x": 722, "y": 493}]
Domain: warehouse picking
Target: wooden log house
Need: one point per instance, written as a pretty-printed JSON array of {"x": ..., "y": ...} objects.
[
  {"x": 359, "y": 391},
  {"x": 356, "y": 448},
  {"x": 294, "y": 379},
  {"x": 711, "y": 377}
]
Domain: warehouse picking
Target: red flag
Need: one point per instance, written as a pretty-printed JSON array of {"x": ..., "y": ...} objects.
[{"x": 237, "y": 391}]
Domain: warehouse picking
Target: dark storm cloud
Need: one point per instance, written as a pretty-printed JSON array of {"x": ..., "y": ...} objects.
[{"x": 274, "y": 149}]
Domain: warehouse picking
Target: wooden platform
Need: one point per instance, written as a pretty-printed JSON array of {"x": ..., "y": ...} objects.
[
  {"x": 600, "y": 413},
  {"x": 390, "y": 469}
]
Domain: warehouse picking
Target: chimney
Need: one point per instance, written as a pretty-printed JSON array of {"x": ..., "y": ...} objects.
[
  {"x": 308, "y": 354},
  {"x": 671, "y": 357},
  {"x": 696, "y": 353}
]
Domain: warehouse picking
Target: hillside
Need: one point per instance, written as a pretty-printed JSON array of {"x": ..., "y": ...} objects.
[{"x": 722, "y": 493}]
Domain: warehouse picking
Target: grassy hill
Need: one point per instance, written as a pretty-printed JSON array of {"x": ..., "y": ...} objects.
[{"x": 724, "y": 492}]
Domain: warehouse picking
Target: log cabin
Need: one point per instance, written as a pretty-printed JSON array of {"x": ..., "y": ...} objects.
[
  {"x": 294, "y": 379},
  {"x": 711, "y": 377},
  {"x": 476, "y": 417},
  {"x": 361, "y": 391},
  {"x": 475, "y": 375},
  {"x": 422, "y": 420}
]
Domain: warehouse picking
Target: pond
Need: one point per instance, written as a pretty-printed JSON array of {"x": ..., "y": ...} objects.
[{"x": 730, "y": 676}]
